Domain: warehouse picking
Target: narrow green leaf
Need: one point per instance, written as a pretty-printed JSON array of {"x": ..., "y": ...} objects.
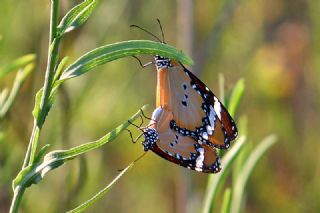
[
  {"x": 101, "y": 193},
  {"x": 236, "y": 97},
  {"x": 118, "y": 50},
  {"x": 71, "y": 153},
  {"x": 221, "y": 87},
  {"x": 215, "y": 180},
  {"x": 42, "y": 153},
  {"x": 16, "y": 64},
  {"x": 242, "y": 179},
  {"x": 23, "y": 179},
  {"x": 226, "y": 201},
  {"x": 4, "y": 97},
  {"x": 36, "y": 110},
  {"x": 34, "y": 173},
  {"x": 20, "y": 78},
  {"x": 60, "y": 69},
  {"x": 76, "y": 16}
]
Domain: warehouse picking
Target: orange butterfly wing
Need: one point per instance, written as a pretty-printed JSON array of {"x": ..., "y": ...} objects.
[
  {"x": 193, "y": 105},
  {"x": 174, "y": 92}
]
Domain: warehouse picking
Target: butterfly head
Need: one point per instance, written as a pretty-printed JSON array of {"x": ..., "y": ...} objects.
[
  {"x": 150, "y": 138},
  {"x": 162, "y": 62}
]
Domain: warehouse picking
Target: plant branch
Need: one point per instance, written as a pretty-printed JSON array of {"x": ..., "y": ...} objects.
[
  {"x": 48, "y": 84},
  {"x": 18, "y": 192},
  {"x": 51, "y": 64}
]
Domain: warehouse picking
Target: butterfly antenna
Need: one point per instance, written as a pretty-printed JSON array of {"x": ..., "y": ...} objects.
[
  {"x": 136, "y": 160},
  {"x": 163, "y": 41},
  {"x": 148, "y": 32}
]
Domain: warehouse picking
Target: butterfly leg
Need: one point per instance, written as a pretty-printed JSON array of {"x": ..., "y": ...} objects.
[
  {"x": 145, "y": 115},
  {"x": 142, "y": 65},
  {"x": 141, "y": 121},
  {"x": 138, "y": 126},
  {"x": 136, "y": 139}
]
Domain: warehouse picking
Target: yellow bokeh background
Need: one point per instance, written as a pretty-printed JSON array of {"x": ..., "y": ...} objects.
[{"x": 273, "y": 45}]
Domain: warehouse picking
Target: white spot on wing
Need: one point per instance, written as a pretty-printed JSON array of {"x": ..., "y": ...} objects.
[
  {"x": 217, "y": 107},
  {"x": 212, "y": 116},
  {"x": 200, "y": 159},
  {"x": 210, "y": 129},
  {"x": 198, "y": 169},
  {"x": 205, "y": 135}
]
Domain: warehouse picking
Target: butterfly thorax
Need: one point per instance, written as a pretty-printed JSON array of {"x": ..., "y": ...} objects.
[
  {"x": 162, "y": 62},
  {"x": 150, "y": 138}
]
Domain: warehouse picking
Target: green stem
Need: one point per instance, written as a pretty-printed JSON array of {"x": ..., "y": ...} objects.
[
  {"x": 34, "y": 137},
  {"x": 53, "y": 20},
  {"x": 49, "y": 77},
  {"x": 18, "y": 192}
]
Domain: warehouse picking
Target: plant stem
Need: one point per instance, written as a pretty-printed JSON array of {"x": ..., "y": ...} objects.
[
  {"x": 53, "y": 20},
  {"x": 34, "y": 137},
  {"x": 38, "y": 122},
  {"x": 52, "y": 60},
  {"x": 18, "y": 192}
]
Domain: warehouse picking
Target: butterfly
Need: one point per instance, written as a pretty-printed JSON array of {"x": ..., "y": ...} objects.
[{"x": 197, "y": 118}]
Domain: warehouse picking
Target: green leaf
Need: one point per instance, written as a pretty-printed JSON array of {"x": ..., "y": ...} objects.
[
  {"x": 76, "y": 16},
  {"x": 10, "y": 99},
  {"x": 32, "y": 174},
  {"x": 16, "y": 64},
  {"x": 4, "y": 97},
  {"x": 242, "y": 179},
  {"x": 42, "y": 153},
  {"x": 40, "y": 118},
  {"x": 101, "y": 193},
  {"x": 236, "y": 97},
  {"x": 118, "y": 50},
  {"x": 36, "y": 109},
  {"x": 60, "y": 69},
  {"x": 226, "y": 201},
  {"x": 216, "y": 180},
  {"x": 23, "y": 179},
  {"x": 221, "y": 88}
]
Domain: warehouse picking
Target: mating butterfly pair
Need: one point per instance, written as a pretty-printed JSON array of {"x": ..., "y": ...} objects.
[{"x": 189, "y": 122}]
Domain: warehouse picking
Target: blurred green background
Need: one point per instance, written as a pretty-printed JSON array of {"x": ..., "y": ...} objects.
[{"x": 273, "y": 45}]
